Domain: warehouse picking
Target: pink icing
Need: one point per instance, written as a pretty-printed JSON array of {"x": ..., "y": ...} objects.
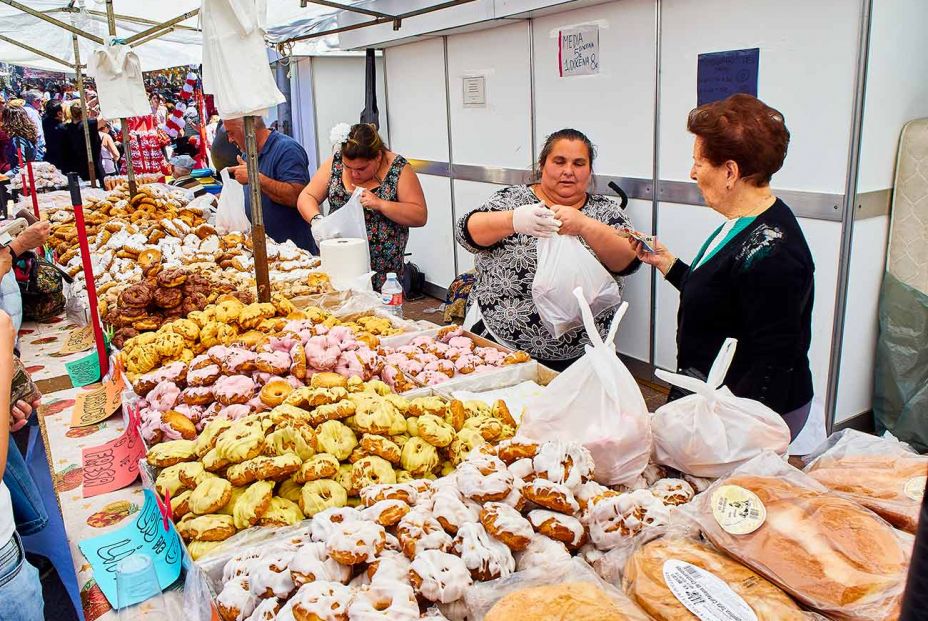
[
  {"x": 349, "y": 365},
  {"x": 164, "y": 396},
  {"x": 322, "y": 354},
  {"x": 431, "y": 378},
  {"x": 425, "y": 343},
  {"x": 343, "y": 337},
  {"x": 278, "y": 361},
  {"x": 442, "y": 366},
  {"x": 410, "y": 351},
  {"x": 281, "y": 343},
  {"x": 240, "y": 360},
  {"x": 234, "y": 385},
  {"x": 197, "y": 360},
  {"x": 467, "y": 360},
  {"x": 396, "y": 358},
  {"x": 203, "y": 374},
  {"x": 462, "y": 342},
  {"x": 411, "y": 367},
  {"x": 234, "y": 412},
  {"x": 218, "y": 353},
  {"x": 457, "y": 331}
]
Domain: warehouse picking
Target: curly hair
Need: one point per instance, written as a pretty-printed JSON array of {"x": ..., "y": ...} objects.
[{"x": 17, "y": 124}]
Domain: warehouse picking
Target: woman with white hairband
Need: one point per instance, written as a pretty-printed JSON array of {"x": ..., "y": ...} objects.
[{"x": 392, "y": 196}]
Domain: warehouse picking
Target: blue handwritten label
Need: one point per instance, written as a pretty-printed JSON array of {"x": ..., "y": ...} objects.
[
  {"x": 721, "y": 74},
  {"x": 145, "y": 534}
]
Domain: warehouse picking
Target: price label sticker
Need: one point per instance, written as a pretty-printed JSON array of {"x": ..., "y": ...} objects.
[
  {"x": 79, "y": 339},
  {"x": 704, "y": 594},
  {"x": 113, "y": 465},
  {"x": 738, "y": 510},
  {"x": 97, "y": 405}
]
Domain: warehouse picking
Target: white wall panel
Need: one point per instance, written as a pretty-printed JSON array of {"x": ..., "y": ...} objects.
[
  {"x": 808, "y": 54},
  {"x": 634, "y": 336},
  {"x": 499, "y": 134},
  {"x": 418, "y": 116},
  {"x": 615, "y": 107},
  {"x": 469, "y": 195},
  {"x": 431, "y": 245},
  {"x": 301, "y": 106}
]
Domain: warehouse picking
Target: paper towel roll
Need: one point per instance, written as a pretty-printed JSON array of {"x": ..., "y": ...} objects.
[{"x": 344, "y": 260}]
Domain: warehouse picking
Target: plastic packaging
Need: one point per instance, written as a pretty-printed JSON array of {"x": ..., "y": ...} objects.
[
  {"x": 596, "y": 402},
  {"x": 391, "y": 295},
  {"x": 676, "y": 578},
  {"x": 230, "y": 214},
  {"x": 482, "y": 597},
  {"x": 829, "y": 553},
  {"x": 882, "y": 474},
  {"x": 710, "y": 432},
  {"x": 564, "y": 264}
]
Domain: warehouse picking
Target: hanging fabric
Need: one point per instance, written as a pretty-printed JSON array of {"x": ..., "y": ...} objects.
[{"x": 118, "y": 75}]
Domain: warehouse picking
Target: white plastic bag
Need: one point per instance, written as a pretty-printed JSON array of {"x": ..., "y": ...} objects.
[
  {"x": 230, "y": 214},
  {"x": 711, "y": 432},
  {"x": 564, "y": 264},
  {"x": 343, "y": 223},
  {"x": 596, "y": 402}
]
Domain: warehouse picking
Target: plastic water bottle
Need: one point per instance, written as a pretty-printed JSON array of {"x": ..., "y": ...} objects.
[{"x": 391, "y": 295}]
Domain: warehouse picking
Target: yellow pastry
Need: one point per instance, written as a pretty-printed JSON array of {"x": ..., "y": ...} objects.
[
  {"x": 281, "y": 512},
  {"x": 371, "y": 470},
  {"x": 199, "y": 549},
  {"x": 168, "y": 480},
  {"x": 233, "y": 498},
  {"x": 321, "y": 495},
  {"x": 252, "y": 504},
  {"x": 419, "y": 457},
  {"x": 211, "y": 432},
  {"x": 299, "y": 441},
  {"x": 210, "y": 495},
  {"x": 321, "y": 466},
  {"x": 173, "y": 452},
  {"x": 336, "y": 438},
  {"x": 290, "y": 489},
  {"x": 434, "y": 430},
  {"x": 212, "y": 527}
]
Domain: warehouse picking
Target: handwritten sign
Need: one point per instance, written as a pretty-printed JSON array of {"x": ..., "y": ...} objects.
[
  {"x": 578, "y": 51},
  {"x": 84, "y": 371},
  {"x": 146, "y": 534},
  {"x": 721, "y": 74},
  {"x": 113, "y": 465},
  {"x": 98, "y": 404},
  {"x": 79, "y": 339}
]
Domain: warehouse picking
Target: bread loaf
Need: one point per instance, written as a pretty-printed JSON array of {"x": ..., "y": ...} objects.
[
  {"x": 568, "y": 601},
  {"x": 645, "y": 582}
]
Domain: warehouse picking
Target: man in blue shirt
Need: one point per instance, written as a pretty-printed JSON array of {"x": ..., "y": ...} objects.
[{"x": 283, "y": 171}]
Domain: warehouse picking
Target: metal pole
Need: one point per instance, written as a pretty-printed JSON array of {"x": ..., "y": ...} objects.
[
  {"x": 655, "y": 180},
  {"x": 29, "y": 48},
  {"x": 57, "y": 22},
  {"x": 847, "y": 216},
  {"x": 91, "y": 168},
  {"x": 258, "y": 240},
  {"x": 126, "y": 150}
]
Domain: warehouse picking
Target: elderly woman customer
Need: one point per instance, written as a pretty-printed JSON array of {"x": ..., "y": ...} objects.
[
  {"x": 503, "y": 236},
  {"x": 752, "y": 279}
]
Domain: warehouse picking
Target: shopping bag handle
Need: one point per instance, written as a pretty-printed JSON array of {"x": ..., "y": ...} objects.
[
  {"x": 590, "y": 324},
  {"x": 719, "y": 368},
  {"x": 716, "y": 374}
]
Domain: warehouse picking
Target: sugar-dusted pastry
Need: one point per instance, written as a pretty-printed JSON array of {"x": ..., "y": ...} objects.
[{"x": 439, "y": 576}]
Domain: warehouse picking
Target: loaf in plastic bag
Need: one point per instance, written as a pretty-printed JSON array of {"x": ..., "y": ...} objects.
[
  {"x": 711, "y": 432},
  {"x": 558, "y": 591},
  {"x": 675, "y": 578},
  {"x": 597, "y": 403},
  {"x": 830, "y": 554},
  {"x": 882, "y": 474},
  {"x": 564, "y": 264}
]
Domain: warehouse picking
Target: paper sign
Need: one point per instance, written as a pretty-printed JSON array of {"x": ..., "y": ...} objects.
[
  {"x": 578, "y": 51},
  {"x": 84, "y": 371},
  {"x": 147, "y": 535},
  {"x": 98, "y": 404},
  {"x": 79, "y": 339},
  {"x": 113, "y": 465},
  {"x": 720, "y": 74},
  {"x": 475, "y": 91}
]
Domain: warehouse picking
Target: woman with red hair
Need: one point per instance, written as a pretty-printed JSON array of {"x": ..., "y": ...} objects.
[{"x": 752, "y": 279}]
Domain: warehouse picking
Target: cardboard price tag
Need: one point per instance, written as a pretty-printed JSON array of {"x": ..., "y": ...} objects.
[
  {"x": 84, "y": 371},
  {"x": 79, "y": 339},
  {"x": 145, "y": 534},
  {"x": 113, "y": 465},
  {"x": 99, "y": 404}
]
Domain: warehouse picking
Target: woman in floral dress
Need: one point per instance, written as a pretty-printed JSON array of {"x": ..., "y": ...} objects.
[{"x": 392, "y": 196}]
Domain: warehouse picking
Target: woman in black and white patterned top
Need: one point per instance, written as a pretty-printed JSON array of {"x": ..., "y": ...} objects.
[{"x": 502, "y": 234}]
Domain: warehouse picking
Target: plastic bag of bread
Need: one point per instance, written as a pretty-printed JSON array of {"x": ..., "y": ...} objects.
[
  {"x": 882, "y": 474},
  {"x": 597, "y": 403},
  {"x": 559, "y": 591},
  {"x": 711, "y": 432},
  {"x": 829, "y": 553},
  {"x": 675, "y": 577}
]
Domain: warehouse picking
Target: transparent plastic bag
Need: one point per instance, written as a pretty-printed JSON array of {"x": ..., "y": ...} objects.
[
  {"x": 483, "y": 597},
  {"x": 230, "y": 214},
  {"x": 882, "y": 474},
  {"x": 712, "y": 431},
  {"x": 598, "y": 403},
  {"x": 564, "y": 264},
  {"x": 343, "y": 223},
  {"x": 829, "y": 553}
]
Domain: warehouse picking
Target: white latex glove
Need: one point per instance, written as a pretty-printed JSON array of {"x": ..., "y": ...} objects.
[{"x": 535, "y": 220}]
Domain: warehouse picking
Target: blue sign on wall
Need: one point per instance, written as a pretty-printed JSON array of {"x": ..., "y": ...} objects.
[{"x": 720, "y": 74}]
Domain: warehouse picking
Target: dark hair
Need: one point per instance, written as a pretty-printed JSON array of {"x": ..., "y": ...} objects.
[
  {"x": 52, "y": 108},
  {"x": 565, "y": 134},
  {"x": 363, "y": 142},
  {"x": 745, "y": 130},
  {"x": 17, "y": 123}
]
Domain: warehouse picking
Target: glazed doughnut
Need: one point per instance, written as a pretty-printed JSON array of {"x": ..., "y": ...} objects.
[
  {"x": 587, "y": 492},
  {"x": 325, "y": 522},
  {"x": 167, "y": 298},
  {"x": 418, "y": 531},
  {"x": 168, "y": 480},
  {"x": 240, "y": 442},
  {"x": 170, "y": 453},
  {"x": 673, "y": 491},
  {"x": 485, "y": 557},
  {"x": 210, "y": 496},
  {"x": 333, "y": 412},
  {"x": 419, "y": 457},
  {"x": 567, "y": 463},
  {"x": 137, "y": 296},
  {"x": 203, "y": 375},
  {"x": 516, "y": 357},
  {"x": 210, "y": 527},
  {"x": 552, "y": 496},
  {"x": 172, "y": 278},
  {"x": 273, "y": 362},
  {"x": 541, "y": 551},
  {"x": 614, "y": 517},
  {"x": 281, "y": 512},
  {"x": 336, "y": 438},
  {"x": 401, "y": 491},
  {"x": 236, "y": 601},
  {"x": 435, "y": 430},
  {"x": 312, "y": 563},
  {"x": 393, "y": 602},
  {"x": 201, "y": 395},
  {"x": 298, "y": 356},
  {"x": 381, "y": 447},
  {"x": 319, "y": 601},
  {"x": 483, "y": 487},
  {"x": 179, "y": 424},
  {"x": 320, "y": 495},
  {"x": 353, "y": 543},
  {"x": 451, "y": 510},
  {"x": 439, "y": 576},
  {"x": 266, "y": 610},
  {"x": 515, "y": 449},
  {"x": 321, "y": 466},
  {"x": 507, "y": 525},
  {"x": 252, "y": 504},
  {"x": 238, "y": 361},
  {"x": 427, "y": 405},
  {"x": 275, "y": 392},
  {"x": 234, "y": 389},
  {"x": 270, "y": 575},
  {"x": 263, "y": 468},
  {"x": 564, "y": 528},
  {"x": 371, "y": 470},
  {"x": 299, "y": 441},
  {"x": 386, "y": 512},
  {"x": 391, "y": 567}
]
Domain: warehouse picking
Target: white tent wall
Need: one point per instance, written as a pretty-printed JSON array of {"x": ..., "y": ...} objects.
[
  {"x": 811, "y": 78},
  {"x": 898, "y": 52}
]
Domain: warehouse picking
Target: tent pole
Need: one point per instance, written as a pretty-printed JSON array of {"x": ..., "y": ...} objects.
[
  {"x": 52, "y": 20},
  {"x": 163, "y": 26},
  {"x": 29, "y": 48},
  {"x": 126, "y": 150},
  {"x": 153, "y": 37},
  {"x": 91, "y": 165},
  {"x": 258, "y": 239}
]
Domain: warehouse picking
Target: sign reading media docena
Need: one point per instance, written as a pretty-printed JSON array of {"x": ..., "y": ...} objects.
[{"x": 578, "y": 51}]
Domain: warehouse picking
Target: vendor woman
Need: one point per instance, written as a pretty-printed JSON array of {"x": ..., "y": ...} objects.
[
  {"x": 392, "y": 198},
  {"x": 752, "y": 279},
  {"x": 503, "y": 236}
]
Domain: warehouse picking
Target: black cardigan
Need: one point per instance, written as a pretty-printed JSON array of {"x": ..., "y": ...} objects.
[{"x": 758, "y": 289}]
